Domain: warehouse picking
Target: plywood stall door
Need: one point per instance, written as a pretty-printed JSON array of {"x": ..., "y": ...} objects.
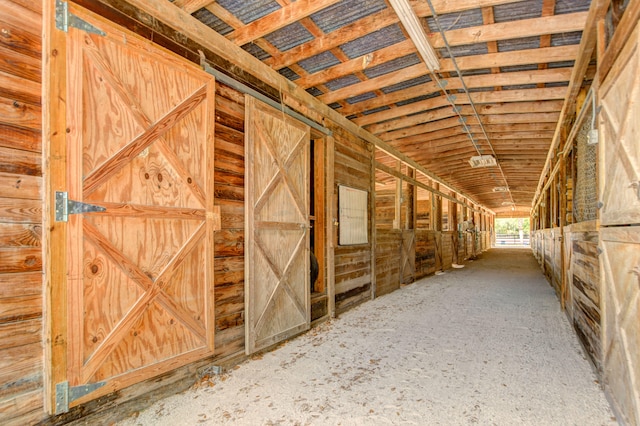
[
  {"x": 277, "y": 287},
  {"x": 620, "y": 260},
  {"x": 619, "y": 129},
  {"x": 408, "y": 256},
  {"x": 140, "y": 144}
]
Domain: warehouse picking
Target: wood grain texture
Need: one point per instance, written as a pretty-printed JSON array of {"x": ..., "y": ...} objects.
[
  {"x": 276, "y": 282},
  {"x": 151, "y": 254}
]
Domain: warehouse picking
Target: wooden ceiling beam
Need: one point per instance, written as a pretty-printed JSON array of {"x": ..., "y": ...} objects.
[
  {"x": 476, "y": 81},
  {"x": 522, "y": 28},
  {"x": 433, "y": 130},
  {"x": 363, "y": 27},
  {"x": 506, "y": 127},
  {"x": 191, "y": 6},
  {"x": 490, "y": 60},
  {"x": 473, "y": 35},
  {"x": 384, "y": 120}
]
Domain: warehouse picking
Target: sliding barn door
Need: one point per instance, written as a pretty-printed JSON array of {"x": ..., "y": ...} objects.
[
  {"x": 408, "y": 256},
  {"x": 620, "y": 260},
  {"x": 277, "y": 286},
  {"x": 140, "y": 274}
]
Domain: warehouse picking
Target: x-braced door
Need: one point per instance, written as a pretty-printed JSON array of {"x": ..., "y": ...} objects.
[
  {"x": 140, "y": 274},
  {"x": 277, "y": 292}
]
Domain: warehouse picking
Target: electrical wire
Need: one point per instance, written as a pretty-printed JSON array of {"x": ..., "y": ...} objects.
[{"x": 473, "y": 106}]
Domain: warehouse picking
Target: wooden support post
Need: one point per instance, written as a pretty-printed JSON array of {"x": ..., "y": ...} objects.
[
  {"x": 330, "y": 228},
  {"x": 55, "y": 237},
  {"x": 563, "y": 216},
  {"x": 372, "y": 215},
  {"x": 398, "y": 198},
  {"x": 320, "y": 210}
]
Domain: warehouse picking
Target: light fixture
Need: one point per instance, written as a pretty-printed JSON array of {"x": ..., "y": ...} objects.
[
  {"x": 501, "y": 189},
  {"x": 412, "y": 25},
  {"x": 482, "y": 161}
]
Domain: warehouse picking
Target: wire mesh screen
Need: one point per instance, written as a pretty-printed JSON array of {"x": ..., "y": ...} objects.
[{"x": 585, "y": 196}]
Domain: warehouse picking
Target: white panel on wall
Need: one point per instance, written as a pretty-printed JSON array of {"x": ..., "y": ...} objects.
[{"x": 353, "y": 215}]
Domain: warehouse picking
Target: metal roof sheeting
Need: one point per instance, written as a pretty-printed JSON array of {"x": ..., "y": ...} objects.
[
  {"x": 345, "y": 13},
  {"x": 374, "y": 41},
  {"x": 249, "y": 11}
]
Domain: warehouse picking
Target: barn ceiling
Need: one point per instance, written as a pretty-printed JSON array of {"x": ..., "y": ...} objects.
[{"x": 504, "y": 71}]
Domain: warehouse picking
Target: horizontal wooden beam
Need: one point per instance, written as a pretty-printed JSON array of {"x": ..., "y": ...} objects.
[
  {"x": 490, "y": 60},
  {"x": 384, "y": 120},
  {"x": 418, "y": 70},
  {"x": 363, "y": 27}
]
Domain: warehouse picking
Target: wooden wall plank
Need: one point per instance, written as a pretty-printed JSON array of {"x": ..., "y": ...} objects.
[
  {"x": 20, "y": 369},
  {"x": 19, "y": 138},
  {"x": 20, "y": 65},
  {"x": 24, "y": 187},
  {"x": 25, "y": 408},
  {"x": 19, "y": 38},
  {"x": 20, "y": 333}
]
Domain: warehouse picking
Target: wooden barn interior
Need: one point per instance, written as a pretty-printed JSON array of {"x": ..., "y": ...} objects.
[{"x": 168, "y": 166}]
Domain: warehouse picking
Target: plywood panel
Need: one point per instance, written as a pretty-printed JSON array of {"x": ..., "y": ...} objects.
[
  {"x": 277, "y": 287},
  {"x": 140, "y": 282},
  {"x": 619, "y": 130},
  {"x": 621, "y": 328}
]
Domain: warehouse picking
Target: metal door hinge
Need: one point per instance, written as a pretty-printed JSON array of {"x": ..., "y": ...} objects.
[
  {"x": 66, "y": 394},
  {"x": 65, "y": 207},
  {"x": 64, "y": 20}
]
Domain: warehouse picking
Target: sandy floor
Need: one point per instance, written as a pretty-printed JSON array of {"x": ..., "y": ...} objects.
[{"x": 486, "y": 344}]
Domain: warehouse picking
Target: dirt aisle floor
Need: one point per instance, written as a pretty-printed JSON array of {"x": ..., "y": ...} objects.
[{"x": 485, "y": 345}]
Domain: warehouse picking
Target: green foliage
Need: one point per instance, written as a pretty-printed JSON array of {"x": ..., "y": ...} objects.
[{"x": 512, "y": 226}]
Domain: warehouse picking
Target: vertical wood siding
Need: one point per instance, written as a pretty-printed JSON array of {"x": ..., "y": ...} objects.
[
  {"x": 425, "y": 252},
  {"x": 582, "y": 273},
  {"x": 352, "y": 167},
  {"x": 21, "y": 350},
  {"x": 585, "y": 291}
]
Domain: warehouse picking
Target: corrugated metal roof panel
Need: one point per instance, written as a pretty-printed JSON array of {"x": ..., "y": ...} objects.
[
  {"x": 341, "y": 82},
  {"x": 519, "y": 87},
  {"x": 314, "y": 91},
  {"x": 289, "y": 73},
  {"x": 558, "y": 84},
  {"x": 256, "y": 51},
  {"x": 391, "y": 66},
  {"x": 289, "y": 37},
  {"x": 517, "y": 11},
  {"x": 374, "y": 41},
  {"x": 565, "y": 39},
  {"x": 373, "y": 111},
  {"x": 514, "y": 68},
  {"x": 409, "y": 83},
  {"x": 563, "y": 64},
  {"x": 212, "y": 21},
  {"x": 465, "y": 50},
  {"x": 345, "y": 13},
  {"x": 319, "y": 62},
  {"x": 249, "y": 11},
  {"x": 571, "y": 6},
  {"x": 452, "y": 21},
  {"x": 518, "y": 44},
  {"x": 361, "y": 98},
  {"x": 419, "y": 98},
  {"x": 481, "y": 71}
]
